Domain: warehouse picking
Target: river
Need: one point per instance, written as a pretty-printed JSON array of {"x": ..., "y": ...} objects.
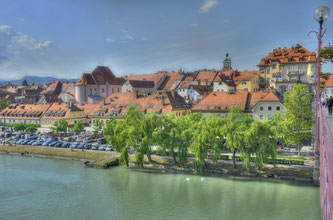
[{"x": 35, "y": 188}]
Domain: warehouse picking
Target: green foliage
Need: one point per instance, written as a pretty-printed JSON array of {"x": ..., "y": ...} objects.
[
  {"x": 139, "y": 157},
  {"x": 20, "y": 127},
  {"x": 124, "y": 159},
  {"x": 298, "y": 115},
  {"x": 78, "y": 127},
  {"x": 32, "y": 128},
  {"x": 60, "y": 126},
  {"x": 98, "y": 126},
  {"x": 4, "y": 104}
]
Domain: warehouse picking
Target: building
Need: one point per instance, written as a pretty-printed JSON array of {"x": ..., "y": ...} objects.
[
  {"x": 67, "y": 92},
  {"x": 286, "y": 67},
  {"x": 116, "y": 105},
  {"x": 171, "y": 81},
  {"x": 144, "y": 82},
  {"x": 260, "y": 105},
  {"x": 328, "y": 88},
  {"x": 23, "y": 113},
  {"x": 70, "y": 112},
  {"x": 236, "y": 81},
  {"x": 94, "y": 87},
  {"x": 227, "y": 63}
]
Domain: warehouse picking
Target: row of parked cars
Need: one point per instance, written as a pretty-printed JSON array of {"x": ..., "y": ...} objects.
[{"x": 46, "y": 140}]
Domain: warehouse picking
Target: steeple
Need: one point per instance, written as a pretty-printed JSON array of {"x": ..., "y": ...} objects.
[{"x": 226, "y": 63}]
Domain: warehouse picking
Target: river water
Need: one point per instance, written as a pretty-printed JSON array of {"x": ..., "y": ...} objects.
[{"x": 34, "y": 188}]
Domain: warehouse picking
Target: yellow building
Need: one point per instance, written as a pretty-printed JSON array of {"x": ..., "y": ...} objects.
[
  {"x": 288, "y": 65},
  {"x": 236, "y": 81},
  {"x": 70, "y": 112}
]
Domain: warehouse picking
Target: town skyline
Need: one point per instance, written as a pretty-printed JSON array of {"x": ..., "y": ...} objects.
[{"x": 196, "y": 36}]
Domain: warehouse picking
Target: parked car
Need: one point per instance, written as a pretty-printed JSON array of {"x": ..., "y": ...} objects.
[
  {"x": 46, "y": 143},
  {"x": 20, "y": 141},
  {"x": 59, "y": 144},
  {"x": 94, "y": 147},
  {"x": 87, "y": 146},
  {"x": 88, "y": 140},
  {"x": 109, "y": 148},
  {"x": 31, "y": 142},
  {"x": 39, "y": 142},
  {"x": 79, "y": 139},
  {"x": 31, "y": 136},
  {"x": 65, "y": 145},
  {"x": 53, "y": 143},
  {"x": 102, "y": 147},
  {"x": 69, "y": 139},
  {"x": 101, "y": 141},
  {"x": 80, "y": 146},
  {"x": 25, "y": 142},
  {"x": 74, "y": 145},
  {"x": 44, "y": 137}
]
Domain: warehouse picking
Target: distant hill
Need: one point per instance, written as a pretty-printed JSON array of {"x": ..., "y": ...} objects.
[{"x": 36, "y": 80}]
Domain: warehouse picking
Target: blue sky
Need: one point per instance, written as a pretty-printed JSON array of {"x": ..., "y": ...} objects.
[{"x": 65, "y": 38}]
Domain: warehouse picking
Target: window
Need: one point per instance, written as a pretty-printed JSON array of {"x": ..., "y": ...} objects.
[
  {"x": 261, "y": 117},
  {"x": 274, "y": 66},
  {"x": 261, "y": 108},
  {"x": 220, "y": 83},
  {"x": 243, "y": 83},
  {"x": 262, "y": 71},
  {"x": 269, "y": 116},
  {"x": 90, "y": 91},
  {"x": 299, "y": 69},
  {"x": 74, "y": 115},
  {"x": 269, "y": 108},
  {"x": 300, "y": 59},
  {"x": 103, "y": 90},
  {"x": 112, "y": 90},
  {"x": 207, "y": 107},
  {"x": 268, "y": 71},
  {"x": 118, "y": 90},
  {"x": 290, "y": 59},
  {"x": 200, "y": 107},
  {"x": 312, "y": 68},
  {"x": 277, "y": 108}
]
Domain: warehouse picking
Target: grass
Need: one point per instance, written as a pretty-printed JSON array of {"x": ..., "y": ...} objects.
[{"x": 101, "y": 159}]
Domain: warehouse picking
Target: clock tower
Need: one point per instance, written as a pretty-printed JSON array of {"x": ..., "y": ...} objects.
[{"x": 226, "y": 63}]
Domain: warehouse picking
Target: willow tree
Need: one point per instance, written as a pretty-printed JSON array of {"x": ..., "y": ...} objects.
[
  {"x": 234, "y": 130},
  {"x": 167, "y": 134},
  {"x": 109, "y": 132},
  {"x": 298, "y": 115}
]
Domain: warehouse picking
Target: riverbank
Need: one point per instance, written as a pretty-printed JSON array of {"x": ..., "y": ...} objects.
[{"x": 164, "y": 164}]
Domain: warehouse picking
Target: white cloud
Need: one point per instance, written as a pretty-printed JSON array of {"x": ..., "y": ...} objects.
[
  {"x": 109, "y": 40},
  {"x": 194, "y": 25},
  {"x": 129, "y": 37},
  {"x": 207, "y": 5}
]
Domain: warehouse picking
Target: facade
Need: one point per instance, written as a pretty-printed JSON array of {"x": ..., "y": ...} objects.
[
  {"x": 23, "y": 113},
  {"x": 229, "y": 81},
  {"x": 328, "y": 88},
  {"x": 260, "y": 105},
  {"x": 288, "y": 65},
  {"x": 70, "y": 112},
  {"x": 94, "y": 87},
  {"x": 116, "y": 105}
]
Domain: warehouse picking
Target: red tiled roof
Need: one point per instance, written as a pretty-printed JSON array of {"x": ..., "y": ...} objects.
[
  {"x": 141, "y": 84},
  {"x": 208, "y": 76},
  {"x": 100, "y": 76},
  {"x": 156, "y": 77},
  {"x": 329, "y": 82},
  {"x": 25, "y": 109},
  {"x": 53, "y": 88},
  {"x": 289, "y": 55},
  {"x": 170, "y": 79}
]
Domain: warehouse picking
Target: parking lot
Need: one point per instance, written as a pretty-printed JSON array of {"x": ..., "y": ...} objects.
[{"x": 87, "y": 142}]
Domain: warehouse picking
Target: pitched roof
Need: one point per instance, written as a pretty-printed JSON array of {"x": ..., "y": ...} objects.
[
  {"x": 169, "y": 80},
  {"x": 296, "y": 54},
  {"x": 329, "y": 81},
  {"x": 222, "y": 100},
  {"x": 202, "y": 90},
  {"x": 53, "y": 88},
  {"x": 141, "y": 84},
  {"x": 256, "y": 97},
  {"x": 155, "y": 77},
  {"x": 208, "y": 76},
  {"x": 100, "y": 76},
  {"x": 163, "y": 102},
  {"x": 56, "y": 110},
  {"x": 33, "y": 110}
]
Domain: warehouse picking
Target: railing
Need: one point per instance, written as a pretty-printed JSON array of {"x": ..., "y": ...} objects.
[
  {"x": 296, "y": 72},
  {"x": 326, "y": 166}
]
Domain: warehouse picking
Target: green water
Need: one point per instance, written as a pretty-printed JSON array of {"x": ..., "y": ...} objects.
[{"x": 33, "y": 188}]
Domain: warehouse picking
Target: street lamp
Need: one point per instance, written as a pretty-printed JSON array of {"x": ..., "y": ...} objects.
[{"x": 320, "y": 15}]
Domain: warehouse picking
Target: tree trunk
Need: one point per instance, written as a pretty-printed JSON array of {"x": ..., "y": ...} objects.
[
  {"x": 299, "y": 150},
  {"x": 174, "y": 156},
  {"x": 234, "y": 158},
  {"x": 149, "y": 158}
]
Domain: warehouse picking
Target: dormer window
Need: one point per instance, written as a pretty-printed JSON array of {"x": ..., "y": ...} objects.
[
  {"x": 290, "y": 59},
  {"x": 300, "y": 59}
]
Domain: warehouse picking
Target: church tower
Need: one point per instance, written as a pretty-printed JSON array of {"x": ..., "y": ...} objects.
[{"x": 226, "y": 63}]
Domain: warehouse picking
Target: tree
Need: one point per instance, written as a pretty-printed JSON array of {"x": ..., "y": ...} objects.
[
  {"x": 4, "y": 104},
  {"x": 19, "y": 127},
  {"x": 98, "y": 126},
  {"x": 60, "y": 126},
  {"x": 31, "y": 129},
  {"x": 78, "y": 127},
  {"x": 234, "y": 130},
  {"x": 25, "y": 83},
  {"x": 298, "y": 115}
]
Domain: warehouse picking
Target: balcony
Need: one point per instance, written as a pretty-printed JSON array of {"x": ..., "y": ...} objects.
[
  {"x": 295, "y": 73},
  {"x": 277, "y": 75}
]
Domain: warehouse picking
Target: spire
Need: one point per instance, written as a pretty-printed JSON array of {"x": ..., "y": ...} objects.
[{"x": 226, "y": 63}]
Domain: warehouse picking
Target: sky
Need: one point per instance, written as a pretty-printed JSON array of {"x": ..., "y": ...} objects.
[{"x": 65, "y": 38}]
